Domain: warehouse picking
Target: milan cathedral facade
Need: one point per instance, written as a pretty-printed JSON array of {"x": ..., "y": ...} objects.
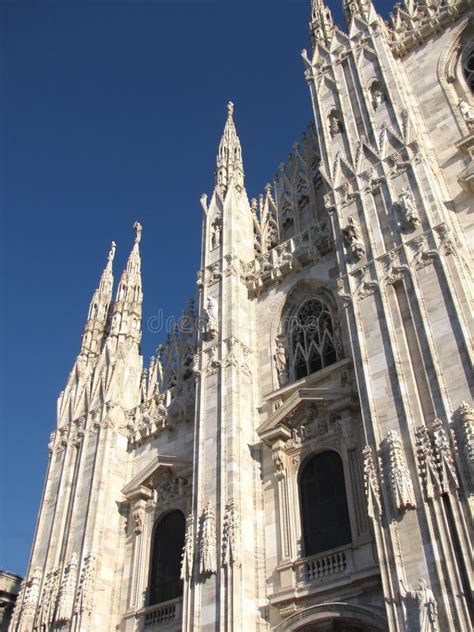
[{"x": 299, "y": 454}]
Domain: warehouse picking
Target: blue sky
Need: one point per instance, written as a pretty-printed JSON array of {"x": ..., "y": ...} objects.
[{"x": 112, "y": 112}]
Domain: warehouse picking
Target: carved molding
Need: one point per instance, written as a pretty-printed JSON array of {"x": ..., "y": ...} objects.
[
  {"x": 371, "y": 485},
  {"x": 231, "y": 537},
  {"x": 401, "y": 485},
  {"x": 208, "y": 542},
  {"x": 187, "y": 560}
]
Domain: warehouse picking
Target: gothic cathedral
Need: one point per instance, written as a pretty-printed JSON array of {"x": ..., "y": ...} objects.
[{"x": 299, "y": 455}]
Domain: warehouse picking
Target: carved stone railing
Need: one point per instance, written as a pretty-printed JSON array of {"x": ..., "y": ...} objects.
[
  {"x": 158, "y": 616},
  {"x": 324, "y": 567}
]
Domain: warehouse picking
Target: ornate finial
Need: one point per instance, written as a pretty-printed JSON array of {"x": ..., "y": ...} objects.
[
  {"x": 138, "y": 232},
  {"x": 230, "y": 108},
  {"x": 112, "y": 251}
]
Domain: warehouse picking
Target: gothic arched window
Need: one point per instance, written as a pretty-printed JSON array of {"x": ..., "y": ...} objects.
[
  {"x": 166, "y": 551},
  {"x": 324, "y": 511},
  {"x": 468, "y": 66},
  {"x": 311, "y": 338}
]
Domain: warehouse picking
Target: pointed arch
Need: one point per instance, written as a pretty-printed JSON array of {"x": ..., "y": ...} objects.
[{"x": 309, "y": 329}]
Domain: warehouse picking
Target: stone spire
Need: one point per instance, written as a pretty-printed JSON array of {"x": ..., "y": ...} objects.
[
  {"x": 127, "y": 311},
  {"x": 321, "y": 26},
  {"x": 229, "y": 159},
  {"x": 97, "y": 317}
]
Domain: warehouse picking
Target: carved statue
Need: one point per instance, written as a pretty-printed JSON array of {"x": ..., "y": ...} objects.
[
  {"x": 215, "y": 234},
  {"x": 138, "y": 518},
  {"x": 138, "y": 232},
  {"x": 466, "y": 111},
  {"x": 335, "y": 124},
  {"x": 407, "y": 207},
  {"x": 112, "y": 251},
  {"x": 161, "y": 412},
  {"x": 281, "y": 361},
  {"x": 352, "y": 238},
  {"x": 427, "y": 606},
  {"x": 378, "y": 96},
  {"x": 210, "y": 312}
]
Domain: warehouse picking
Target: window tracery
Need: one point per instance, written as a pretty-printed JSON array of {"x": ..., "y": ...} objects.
[
  {"x": 312, "y": 339},
  {"x": 468, "y": 66}
]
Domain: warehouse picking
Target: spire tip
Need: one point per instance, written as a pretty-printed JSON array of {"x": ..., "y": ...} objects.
[{"x": 230, "y": 108}]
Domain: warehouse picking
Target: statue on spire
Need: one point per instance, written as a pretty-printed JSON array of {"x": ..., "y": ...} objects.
[
  {"x": 112, "y": 251},
  {"x": 138, "y": 232}
]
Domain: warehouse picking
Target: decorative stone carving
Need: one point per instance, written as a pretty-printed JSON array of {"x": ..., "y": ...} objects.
[
  {"x": 67, "y": 590},
  {"x": 138, "y": 515},
  {"x": 444, "y": 459},
  {"x": 365, "y": 285},
  {"x": 279, "y": 463},
  {"x": 371, "y": 485},
  {"x": 170, "y": 487},
  {"x": 216, "y": 233},
  {"x": 49, "y": 594},
  {"x": 400, "y": 480},
  {"x": 231, "y": 538},
  {"x": 52, "y": 437},
  {"x": 427, "y": 463},
  {"x": 281, "y": 362},
  {"x": 352, "y": 238},
  {"x": 406, "y": 207},
  {"x": 398, "y": 164},
  {"x": 425, "y": 615},
  {"x": 335, "y": 123},
  {"x": 377, "y": 94},
  {"x": 445, "y": 242},
  {"x": 86, "y": 585},
  {"x": 465, "y": 414},
  {"x": 466, "y": 111},
  {"x": 32, "y": 591},
  {"x": 208, "y": 542},
  {"x": 188, "y": 550},
  {"x": 421, "y": 255},
  {"x": 210, "y": 315},
  {"x": 18, "y": 609},
  {"x": 212, "y": 362}
]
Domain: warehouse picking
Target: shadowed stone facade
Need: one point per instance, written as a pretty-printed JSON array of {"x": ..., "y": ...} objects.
[{"x": 299, "y": 454}]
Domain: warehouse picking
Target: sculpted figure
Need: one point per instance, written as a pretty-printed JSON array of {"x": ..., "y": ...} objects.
[
  {"x": 352, "y": 238},
  {"x": 407, "y": 207},
  {"x": 211, "y": 316},
  {"x": 466, "y": 111},
  {"x": 281, "y": 361},
  {"x": 335, "y": 124},
  {"x": 215, "y": 234},
  {"x": 427, "y": 606}
]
